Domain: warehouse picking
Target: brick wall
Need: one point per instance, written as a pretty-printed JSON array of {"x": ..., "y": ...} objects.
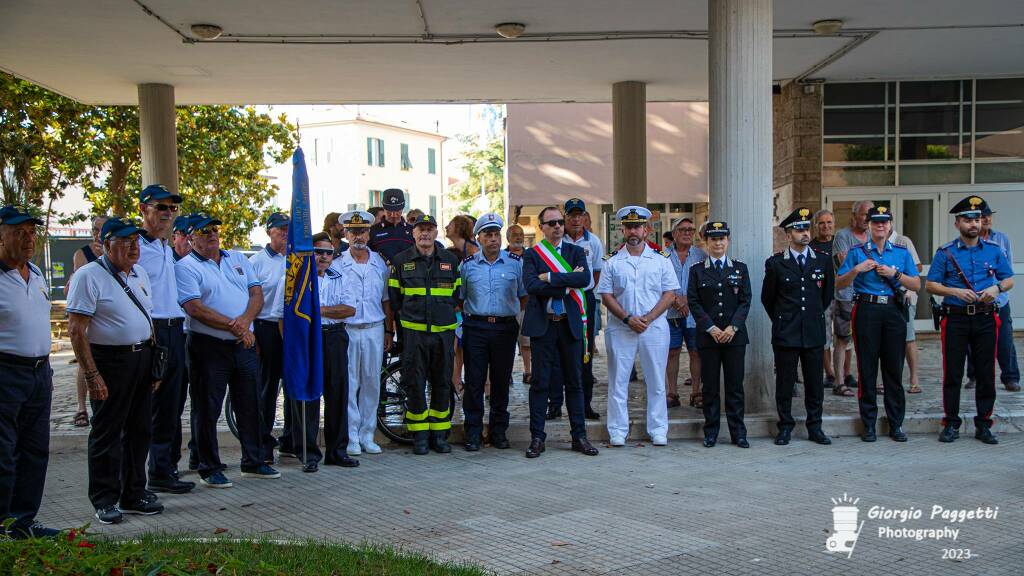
[{"x": 796, "y": 127}]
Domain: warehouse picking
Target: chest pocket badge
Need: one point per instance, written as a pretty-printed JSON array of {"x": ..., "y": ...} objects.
[
  {"x": 409, "y": 266},
  {"x": 446, "y": 267},
  {"x": 734, "y": 281}
]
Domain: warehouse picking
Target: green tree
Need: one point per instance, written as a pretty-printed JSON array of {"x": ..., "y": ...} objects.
[{"x": 485, "y": 166}]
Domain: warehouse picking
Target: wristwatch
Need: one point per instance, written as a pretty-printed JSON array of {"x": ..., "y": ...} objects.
[
  {"x": 625, "y": 320},
  {"x": 1000, "y": 286}
]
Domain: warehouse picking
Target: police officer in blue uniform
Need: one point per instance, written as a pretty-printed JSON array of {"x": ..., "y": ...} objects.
[
  {"x": 493, "y": 283},
  {"x": 798, "y": 288},
  {"x": 970, "y": 274},
  {"x": 880, "y": 273},
  {"x": 393, "y": 234},
  {"x": 718, "y": 292}
]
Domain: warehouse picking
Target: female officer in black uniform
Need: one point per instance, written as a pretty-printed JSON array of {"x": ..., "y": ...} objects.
[{"x": 719, "y": 296}]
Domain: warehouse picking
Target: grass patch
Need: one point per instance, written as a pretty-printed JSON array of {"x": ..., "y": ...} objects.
[{"x": 76, "y": 553}]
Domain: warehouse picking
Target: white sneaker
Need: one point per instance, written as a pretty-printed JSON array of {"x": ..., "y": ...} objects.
[
  {"x": 617, "y": 441},
  {"x": 659, "y": 441},
  {"x": 353, "y": 448},
  {"x": 371, "y": 447}
]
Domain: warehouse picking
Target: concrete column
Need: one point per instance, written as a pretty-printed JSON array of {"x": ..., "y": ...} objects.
[
  {"x": 740, "y": 94},
  {"x": 158, "y": 136},
  {"x": 629, "y": 143}
]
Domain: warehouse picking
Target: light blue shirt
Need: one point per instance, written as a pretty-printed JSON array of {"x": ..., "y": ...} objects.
[
  {"x": 24, "y": 313},
  {"x": 592, "y": 249},
  {"x": 156, "y": 257},
  {"x": 694, "y": 256},
  {"x": 871, "y": 282},
  {"x": 984, "y": 264},
  {"x": 269, "y": 267},
  {"x": 224, "y": 287},
  {"x": 363, "y": 286},
  {"x": 492, "y": 288},
  {"x": 1004, "y": 242}
]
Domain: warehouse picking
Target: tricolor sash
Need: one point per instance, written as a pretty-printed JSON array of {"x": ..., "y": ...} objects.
[{"x": 556, "y": 263}]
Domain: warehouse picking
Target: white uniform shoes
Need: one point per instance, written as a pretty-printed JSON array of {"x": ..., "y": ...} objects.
[
  {"x": 617, "y": 441},
  {"x": 353, "y": 448},
  {"x": 659, "y": 441},
  {"x": 370, "y": 447}
]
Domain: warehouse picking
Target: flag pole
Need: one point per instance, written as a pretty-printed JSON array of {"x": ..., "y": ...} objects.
[{"x": 303, "y": 432}]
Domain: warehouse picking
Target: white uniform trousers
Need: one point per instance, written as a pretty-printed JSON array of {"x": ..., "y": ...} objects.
[
  {"x": 365, "y": 354},
  {"x": 623, "y": 345}
]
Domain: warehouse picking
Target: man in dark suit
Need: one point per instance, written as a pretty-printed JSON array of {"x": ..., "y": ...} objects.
[
  {"x": 718, "y": 293},
  {"x": 555, "y": 274},
  {"x": 798, "y": 287}
]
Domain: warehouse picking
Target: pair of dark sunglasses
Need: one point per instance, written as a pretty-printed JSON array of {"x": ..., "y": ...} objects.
[
  {"x": 323, "y": 251},
  {"x": 165, "y": 207},
  {"x": 554, "y": 223}
]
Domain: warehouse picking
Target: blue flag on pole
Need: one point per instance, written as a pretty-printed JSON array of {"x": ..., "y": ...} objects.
[{"x": 303, "y": 351}]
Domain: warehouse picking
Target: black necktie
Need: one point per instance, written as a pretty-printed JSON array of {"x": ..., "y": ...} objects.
[
  {"x": 800, "y": 260},
  {"x": 718, "y": 266}
]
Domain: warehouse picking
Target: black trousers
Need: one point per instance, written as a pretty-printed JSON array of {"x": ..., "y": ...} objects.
[
  {"x": 556, "y": 393},
  {"x": 716, "y": 362},
  {"x": 428, "y": 357},
  {"x": 880, "y": 337},
  {"x": 979, "y": 334},
  {"x": 557, "y": 342},
  {"x": 268, "y": 336},
  {"x": 487, "y": 348},
  {"x": 335, "y": 343},
  {"x": 812, "y": 362},
  {"x": 217, "y": 366},
  {"x": 121, "y": 427},
  {"x": 168, "y": 402},
  {"x": 1006, "y": 352},
  {"x": 24, "y": 436}
]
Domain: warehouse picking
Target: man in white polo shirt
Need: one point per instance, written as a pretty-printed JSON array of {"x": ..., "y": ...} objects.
[
  {"x": 364, "y": 280},
  {"x": 27, "y": 378},
  {"x": 109, "y": 307},
  {"x": 156, "y": 256},
  {"x": 269, "y": 266},
  {"x": 221, "y": 294}
]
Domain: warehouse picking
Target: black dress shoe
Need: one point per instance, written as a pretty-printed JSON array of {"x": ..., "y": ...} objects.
[
  {"x": 590, "y": 414},
  {"x": 948, "y": 434},
  {"x": 553, "y": 414},
  {"x": 345, "y": 461},
  {"x": 1012, "y": 386},
  {"x": 819, "y": 437},
  {"x": 310, "y": 467},
  {"x": 500, "y": 442},
  {"x": 472, "y": 446},
  {"x": 710, "y": 440},
  {"x": 783, "y": 438},
  {"x": 898, "y": 434},
  {"x": 869, "y": 435},
  {"x": 171, "y": 486},
  {"x": 984, "y": 433},
  {"x": 535, "y": 449},
  {"x": 583, "y": 446},
  {"x": 741, "y": 442}
]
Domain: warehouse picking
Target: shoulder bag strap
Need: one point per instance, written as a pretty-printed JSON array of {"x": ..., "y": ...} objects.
[
  {"x": 896, "y": 287},
  {"x": 958, "y": 269},
  {"x": 131, "y": 295}
]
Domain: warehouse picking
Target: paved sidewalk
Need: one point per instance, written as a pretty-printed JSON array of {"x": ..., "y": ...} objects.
[{"x": 682, "y": 509}]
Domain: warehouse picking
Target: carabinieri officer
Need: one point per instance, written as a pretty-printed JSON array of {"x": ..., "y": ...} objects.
[
  {"x": 798, "y": 287},
  {"x": 718, "y": 293},
  {"x": 493, "y": 282},
  {"x": 27, "y": 377},
  {"x": 970, "y": 273},
  {"x": 880, "y": 273}
]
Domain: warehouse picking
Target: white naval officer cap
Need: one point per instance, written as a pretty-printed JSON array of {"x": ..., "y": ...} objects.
[{"x": 633, "y": 215}]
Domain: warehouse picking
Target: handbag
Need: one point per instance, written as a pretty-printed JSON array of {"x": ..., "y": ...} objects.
[{"x": 158, "y": 366}]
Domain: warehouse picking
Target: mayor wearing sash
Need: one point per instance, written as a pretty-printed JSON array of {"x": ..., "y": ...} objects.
[{"x": 555, "y": 273}]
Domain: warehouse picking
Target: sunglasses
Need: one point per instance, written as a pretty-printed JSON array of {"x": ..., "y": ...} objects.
[
  {"x": 165, "y": 207},
  {"x": 323, "y": 251},
  {"x": 209, "y": 230},
  {"x": 554, "y": 223}
]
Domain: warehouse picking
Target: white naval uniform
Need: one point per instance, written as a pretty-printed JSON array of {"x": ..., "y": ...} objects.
[
  {"x": 637, "y": 283},
  {"x": 364, "y": 287}
]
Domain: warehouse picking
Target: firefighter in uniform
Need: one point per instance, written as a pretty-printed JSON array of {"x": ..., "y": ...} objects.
[
  {"x": 425, "y": 289},
  {"x": 880, "y": 272},
  {"x": 970, "y": 273},
  {"x": 798, "y": 288},
  {"x": 718, "y": 292},
  {"x": 393, "y": 234}
]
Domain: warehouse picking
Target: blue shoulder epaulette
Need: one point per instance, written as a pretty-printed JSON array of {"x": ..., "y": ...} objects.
[
  {"x": 466, "y": 259},
  {"x": 514, "y": 256},
  {"x": 332, "y": 273}
]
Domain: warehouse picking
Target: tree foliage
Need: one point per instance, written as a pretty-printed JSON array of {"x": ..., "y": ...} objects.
[
  {"x": 49, "y": 143},
  {"x": 484, "y": 188}
]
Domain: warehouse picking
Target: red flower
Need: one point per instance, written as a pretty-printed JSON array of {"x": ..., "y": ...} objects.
[
  {"x": 86, "y": 544},
  {"x": 72, "y": 534},
  {"x": 211, "y": 568},
  {"x": 116, "y": 571}
]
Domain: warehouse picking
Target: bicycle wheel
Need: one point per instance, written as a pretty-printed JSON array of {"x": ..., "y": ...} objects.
[
  {"x": 391, "y": 410},
  {"x": 229, "y": 414}
]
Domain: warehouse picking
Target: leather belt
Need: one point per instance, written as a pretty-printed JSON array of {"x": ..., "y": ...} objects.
[
  {"x": 492, "y": 319},
  {"x": 328, "y": 328},
  {"x": 971, "y": 309},
  {"x": 260, "y": 321},
  {"x": 34, "y": 362},
  {"x": 876, "y": 299},
  {"x": 121, "y": 348},
  {"x": 363, "y": 326},
  {"x": 556, "y": 317},
  {"x": 171, "y": 322}
]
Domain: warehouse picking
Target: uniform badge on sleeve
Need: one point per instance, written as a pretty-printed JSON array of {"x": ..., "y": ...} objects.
[
  {"x": 239, "y": 270},
  {"x": 446, "y": 266}
]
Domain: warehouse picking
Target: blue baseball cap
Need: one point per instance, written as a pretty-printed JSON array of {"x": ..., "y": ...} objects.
[
  {"x": 200, "y": 220},
  {"x": 116, "y": 227},
  {"x": 157, "y": 192},
  {"x": 575, "y": 204},
  {"x": 11, "y": 215},
  {"x": 278, "y": 220},
  {"x": 181, "y": 223}
]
